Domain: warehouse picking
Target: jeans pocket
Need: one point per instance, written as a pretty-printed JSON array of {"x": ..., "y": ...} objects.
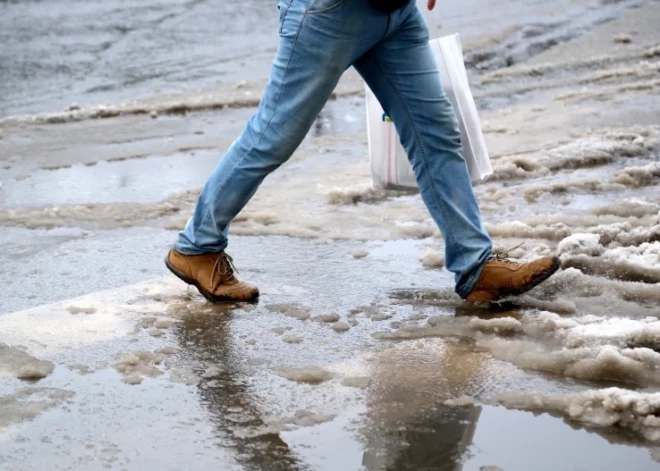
[
  {"x": 323, "y": 6},
  {"x": 283, "y": 6}
]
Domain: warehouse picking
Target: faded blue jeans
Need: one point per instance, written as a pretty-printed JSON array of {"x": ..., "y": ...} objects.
[{"x": 319, "y": 40}]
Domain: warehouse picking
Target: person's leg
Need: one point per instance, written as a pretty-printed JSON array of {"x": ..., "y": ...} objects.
[
  {"x": 302, "y": 78},
  {"x": 403, "y": 74},
  {"x": 319, "y": 40}
]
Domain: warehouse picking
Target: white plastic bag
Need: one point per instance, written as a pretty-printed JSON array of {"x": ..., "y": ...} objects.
[{"x": 390, "y": 167}]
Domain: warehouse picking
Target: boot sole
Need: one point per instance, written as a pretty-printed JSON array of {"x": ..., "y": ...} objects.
[
  {"x": 533, "y": 284},
  {"x": 191, "y": 281}
]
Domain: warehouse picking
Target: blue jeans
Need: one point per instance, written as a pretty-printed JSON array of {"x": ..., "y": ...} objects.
[{"x": 319, "y": 40}]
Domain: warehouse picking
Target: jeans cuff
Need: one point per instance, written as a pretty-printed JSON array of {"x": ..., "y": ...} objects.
[{"x": 464, "y": 289}]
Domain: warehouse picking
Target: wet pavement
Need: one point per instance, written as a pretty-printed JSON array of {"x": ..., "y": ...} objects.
[
  {"x": 358, "y": 356},
  {"x": 217, "y": 397}
]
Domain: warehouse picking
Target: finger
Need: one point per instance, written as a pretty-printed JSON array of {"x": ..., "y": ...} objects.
[{"x": 431, "y": 4}]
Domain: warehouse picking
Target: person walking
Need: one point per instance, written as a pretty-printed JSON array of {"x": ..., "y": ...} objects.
[{"x": 386, "y": 41}]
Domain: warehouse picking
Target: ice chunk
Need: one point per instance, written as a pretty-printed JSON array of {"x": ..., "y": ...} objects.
[
  {"x": 168, "y": 350},
  {"x": 462, "y": 401},
  {"x": 359, "y": 253},
  {"x": 303, "y": 418},
  {"x": 132, "y": 380},
  {"x": 307, "y": 374},
  {"x": 518, "y": 229},
  {"x": 503, "y": 325},
  {"x": 162, "y": 324},
  {"x": 361, "y": 193},
  {"x": 638, "y": 176},
  {"x": 19, "y": 364},
  {"x": 291, "y": 310},
  {"x": 431, "y": 258},
  {"x": 327, "y": 318},
  {"x": 634, "y": 263},
  {"x": 578, "y": 244},
  {"x": 340, "y": 327}
]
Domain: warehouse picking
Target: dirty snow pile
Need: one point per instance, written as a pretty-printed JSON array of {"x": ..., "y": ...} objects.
[
  {"x": 632, "y": 263},
  {"x": 588, "y": 347},
  {"x": 638, "y": 412},
  {"x": 14, "y": 362},
  {"x": 601, "y": 148}
]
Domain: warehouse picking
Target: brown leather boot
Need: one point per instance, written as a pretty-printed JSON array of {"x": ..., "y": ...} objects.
[
  {"x": 212, "y": 274},
  {"x": 502, "y": 277}
]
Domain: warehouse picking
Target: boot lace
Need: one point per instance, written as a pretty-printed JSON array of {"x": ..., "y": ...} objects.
[
  {"x": 224, "y": 266},
  {"x": 503, "y": 255}
]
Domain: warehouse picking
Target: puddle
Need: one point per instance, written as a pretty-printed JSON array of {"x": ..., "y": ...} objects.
[
  {"x": 156, "y": 177},
  {"x": 471, "y": 439}
]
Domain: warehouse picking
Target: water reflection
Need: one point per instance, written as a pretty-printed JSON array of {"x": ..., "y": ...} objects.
[
  {"x": 411, "y": 427},
  {"x": 436, "y": 441},
  {"x": 405, "y": 422},
  {"x": 206, "y": 340}
]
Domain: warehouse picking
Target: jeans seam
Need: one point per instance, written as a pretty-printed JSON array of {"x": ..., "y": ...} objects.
[
  {"x": 311, "y": 10},
  {"x": 424, "y": 160},
  {"x": 283, "y": 16},
  {"x": 277, "y": 101}
]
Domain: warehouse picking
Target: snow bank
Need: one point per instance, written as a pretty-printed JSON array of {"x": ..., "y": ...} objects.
[
  {"x": 518, "y": 229},
  {"x": 638, "y": 412},
  {"x": 638, "y": 176},
  {"x": 633, "y": 263},
  {"x": 601, "y": 148},
  {"x": 588, "y": 347}
]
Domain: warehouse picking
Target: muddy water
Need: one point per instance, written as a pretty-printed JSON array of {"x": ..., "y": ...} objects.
[{"x": 215, "y": 396}]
